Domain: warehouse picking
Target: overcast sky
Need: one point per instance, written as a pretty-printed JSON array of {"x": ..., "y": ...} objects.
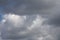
[{"x": 29, "y": 19}]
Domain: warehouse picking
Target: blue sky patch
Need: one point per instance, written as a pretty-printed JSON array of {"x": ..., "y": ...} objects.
[{"x": 1, "y": 16}]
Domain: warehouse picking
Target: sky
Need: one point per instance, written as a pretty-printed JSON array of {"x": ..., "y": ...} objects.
[
  {"x": 29, "y": 19},
  {"x": 0, "y": 17}
]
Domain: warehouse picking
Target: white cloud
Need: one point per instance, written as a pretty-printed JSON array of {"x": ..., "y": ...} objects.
[{"x": 14, "y": 19}]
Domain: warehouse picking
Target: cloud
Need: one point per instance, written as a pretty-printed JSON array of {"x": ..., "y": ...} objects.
[
  {"x": 54, "y": 20},
  {"x": 30, "y": 19},
  {"x": 17, "y": 28},
  {"x": 53, "y": 17},
  {"x": 26, "y": 7}
]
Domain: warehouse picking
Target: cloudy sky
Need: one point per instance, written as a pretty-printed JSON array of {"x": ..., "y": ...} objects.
[{"x": 29, "y": 19}]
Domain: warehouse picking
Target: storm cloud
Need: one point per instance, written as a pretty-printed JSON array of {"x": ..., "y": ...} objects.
[
  {"x": 30, "y": 20},
  {"x": 26, "y": 7},
  {"x": 54, "y": 20}
]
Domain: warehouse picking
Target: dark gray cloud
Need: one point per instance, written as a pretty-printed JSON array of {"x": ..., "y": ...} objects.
[
  {"x": 54, "y": 20},
  {"x": 24, "y": 7}
]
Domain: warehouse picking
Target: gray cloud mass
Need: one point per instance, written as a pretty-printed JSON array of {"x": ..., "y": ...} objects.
[
  {"x": 30, "y": 20},
  {"x": 26, "y": 7},
  {"x": 18, "y": 29}
]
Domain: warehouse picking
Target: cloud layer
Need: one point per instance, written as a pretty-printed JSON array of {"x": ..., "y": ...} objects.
[
  {"x": 26, "y": 7},
  {"x": 30, "y": 20}
]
